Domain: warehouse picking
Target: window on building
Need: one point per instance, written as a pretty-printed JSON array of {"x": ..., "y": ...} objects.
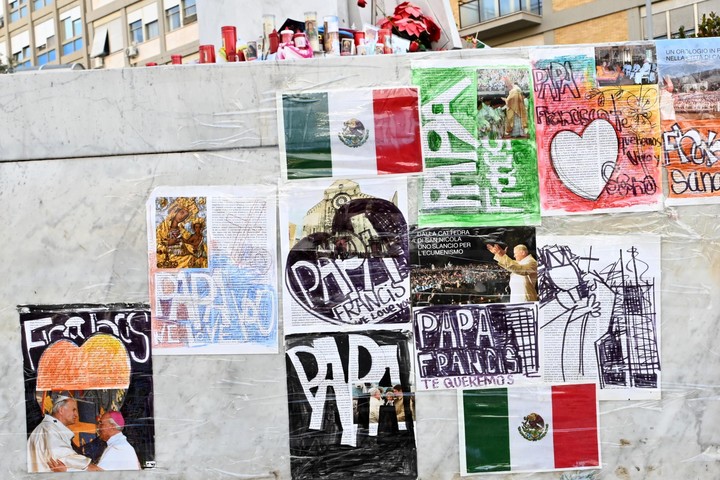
[
  {"x": 704, "y": 8},
  {"x": 682, "y": 17},
  {"x": 172, "y": 17},
  {"x": 48, "y": 57},
  {"x": 71, "y": 26},
  {"x": 107, "y": 38},
  {"x": 152, "y": 30},
  {"x": 667, "y": 24},
  {"x": 488, "y": 10},
  {"x": 659, "y": 21},
  {"x": 477, "y": 11},
  {"x": 143, "y": 24},
  {"x": 45, "y": 43},
  {"x": 136, "y": 32},
  {"x": 509, "y": 6},
  {"x": 532, "y": 6},
  {"x": 100, "y": 45},
  {"x": 38, "y": 4},
  {"x": 18, "y": 10},
  {"x": 20, "y": 49},
  {"x": 21, "y": 58},
  {"x": 189, "y": 11},
  {"x": 469, "y": 13}
]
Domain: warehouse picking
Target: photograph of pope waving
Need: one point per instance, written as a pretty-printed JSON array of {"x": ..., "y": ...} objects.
[{"x": 523, "y": 272}]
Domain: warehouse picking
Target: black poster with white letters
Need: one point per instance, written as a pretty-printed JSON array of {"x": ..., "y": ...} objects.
[
  {"x": 351, "y": 405},
  {"x": 98, "y": 355}
]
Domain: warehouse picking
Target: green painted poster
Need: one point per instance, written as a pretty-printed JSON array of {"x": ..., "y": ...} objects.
[{"x": 478, "y": 138}]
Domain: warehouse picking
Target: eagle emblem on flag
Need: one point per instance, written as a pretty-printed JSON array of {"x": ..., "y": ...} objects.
[
  {"x": 533, "y": 428},
  {"x": 354, "y": 134}
]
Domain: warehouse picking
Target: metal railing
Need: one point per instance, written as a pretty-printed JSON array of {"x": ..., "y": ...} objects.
[{"x": 473, "y": 12}]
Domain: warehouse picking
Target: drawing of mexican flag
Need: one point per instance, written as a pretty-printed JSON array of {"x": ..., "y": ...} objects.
[
  {"x": 529, "y": 429},
  {"x": 346, "y": 133}
]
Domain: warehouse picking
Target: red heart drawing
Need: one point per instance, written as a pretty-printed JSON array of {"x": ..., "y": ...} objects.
[{"x": 102, "y": 362}]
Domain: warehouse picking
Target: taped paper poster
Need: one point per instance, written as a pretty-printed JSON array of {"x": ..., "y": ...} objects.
[
  {"x": 211, "y": 252},
  {"x": 345, "y": 254},
  {"x": 529, "y": 429},
  {"x": 351, "y": 404},
  {"x": 598, "y": 146},
  {"x": 453, "y": 266},
  {"x": 600, "y": 313},
  {"x": 690, "y": 111},
  {"x": 479, "y": 143},
  {"x": 348, "y": 133},
  {"x": 88, "y": 387},
  {"x": 474, "y": 346}
]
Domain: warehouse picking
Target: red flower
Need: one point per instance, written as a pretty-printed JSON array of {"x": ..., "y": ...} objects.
[
  {"x": 410, "y": 9},
  {"x": 409, "y": 22},
  {"x": 414, "y": 47},
  {"x": 412, "y": 27},
  {"x": 385, "y": 23},
  {"x": 432, "y": 29},
  {"x": 362, "y": 3}
]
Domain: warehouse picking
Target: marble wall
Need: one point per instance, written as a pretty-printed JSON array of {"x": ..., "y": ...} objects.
[{"x": 81, "y": 152}]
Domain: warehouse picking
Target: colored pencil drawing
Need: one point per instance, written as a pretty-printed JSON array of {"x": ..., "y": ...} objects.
[
  {"x": 598, "y": 147},
  {"x": 213, "y": 291},
  {"x": 480, "y": 160},
  {"x": 690, "y": 109}
]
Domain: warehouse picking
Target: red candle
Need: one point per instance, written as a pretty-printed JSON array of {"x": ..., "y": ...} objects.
[
  {"x": 229, "y": 36},
  {"x": 359, "y": 38},
  {"x": 384, "y": 36},
  {"x": 274, "y": 41},
  {"x": 176, "y": 59},
  {"x": 207, "y": 53}
]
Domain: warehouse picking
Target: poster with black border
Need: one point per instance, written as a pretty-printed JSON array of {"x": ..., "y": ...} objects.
[
  {"x": 88, "y": 387},
  {"x": 351, "y": 405}
]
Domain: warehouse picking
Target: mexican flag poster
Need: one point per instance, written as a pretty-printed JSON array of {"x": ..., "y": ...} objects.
[
  {"x": 529, "y": 429},
  {"x": 347, "y": 133}
]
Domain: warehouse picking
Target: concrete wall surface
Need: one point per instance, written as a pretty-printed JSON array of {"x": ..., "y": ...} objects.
[{"x": 81, "y": 152}]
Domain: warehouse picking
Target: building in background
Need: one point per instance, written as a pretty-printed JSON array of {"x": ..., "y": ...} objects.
[
  {"x": 125, "y": 34},
  {"x": 40, "y": 32},
  {"x": 512, "y": 23},
  {"x": 97, "y": 33}
]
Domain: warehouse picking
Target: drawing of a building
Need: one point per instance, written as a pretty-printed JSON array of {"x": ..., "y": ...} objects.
[{"x": 628, "y": 353}]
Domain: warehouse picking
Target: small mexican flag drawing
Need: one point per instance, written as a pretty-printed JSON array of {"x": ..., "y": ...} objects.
[
  {"x": 529, "y": 429},
  {"x": 347, "y": 133}
]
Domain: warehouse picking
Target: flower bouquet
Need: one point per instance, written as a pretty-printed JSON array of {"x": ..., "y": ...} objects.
[{"x": 409, "y": 22}]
